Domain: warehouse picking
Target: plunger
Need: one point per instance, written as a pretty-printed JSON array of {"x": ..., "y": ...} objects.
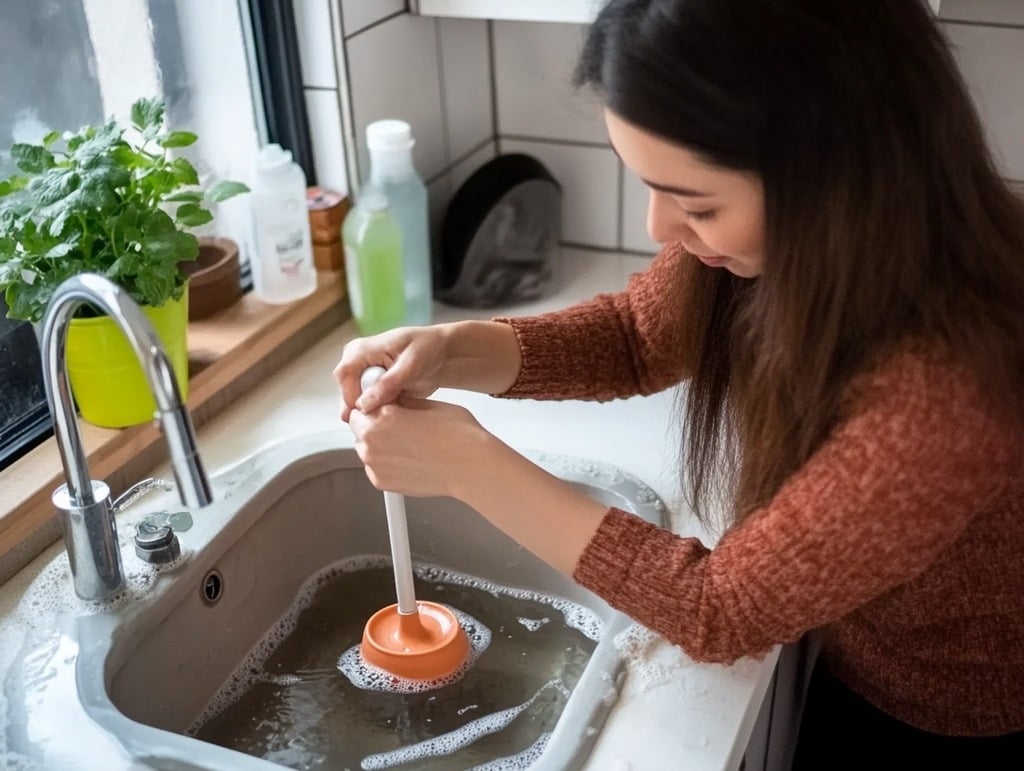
[{"x": 415, "y": 640}]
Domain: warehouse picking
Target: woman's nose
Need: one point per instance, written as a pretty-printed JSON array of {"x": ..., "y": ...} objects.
[{"x": 665, "y": 221}]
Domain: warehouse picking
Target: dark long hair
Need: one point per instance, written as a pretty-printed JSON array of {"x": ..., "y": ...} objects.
[{"x": 886, "y": 218}]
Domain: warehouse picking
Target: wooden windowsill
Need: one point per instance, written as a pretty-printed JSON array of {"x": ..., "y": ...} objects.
[{"x": 228, "y": 353}]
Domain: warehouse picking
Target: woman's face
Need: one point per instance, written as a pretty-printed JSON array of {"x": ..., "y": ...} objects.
[{"x": 717, "y": 214}]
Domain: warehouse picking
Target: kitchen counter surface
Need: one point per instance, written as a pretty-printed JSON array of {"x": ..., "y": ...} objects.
[{"x": 672, "y": 712}]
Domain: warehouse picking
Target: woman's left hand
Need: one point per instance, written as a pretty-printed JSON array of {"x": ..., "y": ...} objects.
[
  {"x": 418, "y": 447},
  {"x": 423, "y": 447}
]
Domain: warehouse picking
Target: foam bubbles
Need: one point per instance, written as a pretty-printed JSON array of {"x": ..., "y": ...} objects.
[
  {"x": 445, "y": 744},
  {"x": 533, "y": 624},
  {"x": 371, "y": 678},
  {"x": 520, "y": 760},
  {"x": 655, "y": 662},
  {"x": 53, "y": 591},
  {"x": 576, "y": 616},
  {"x": 251, "y": 670},
  {"x": 19, "y": 763}
]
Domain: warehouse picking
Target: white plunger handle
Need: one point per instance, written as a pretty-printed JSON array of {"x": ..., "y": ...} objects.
[{"x": 398, "y": 529}]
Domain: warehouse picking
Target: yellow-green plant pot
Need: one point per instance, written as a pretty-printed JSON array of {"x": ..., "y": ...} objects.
[{"x": 106, "y": 378}]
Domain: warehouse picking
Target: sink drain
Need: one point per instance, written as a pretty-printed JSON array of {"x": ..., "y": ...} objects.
[{"x": 212, "y": 587}]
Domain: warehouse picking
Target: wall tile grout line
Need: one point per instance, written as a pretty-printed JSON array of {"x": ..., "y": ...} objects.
[
  {"x": 377, "y": 23},
  {"x": 493, "y": 67},
  {"x": 555, "y": 141},
  {"x": 350, "y": 143},
  {"x": 443, "y": 89},
  {"x": 464, "y": 157},
  {"x": 606, "y": 249},
  {"x": 977, "y": 23}
]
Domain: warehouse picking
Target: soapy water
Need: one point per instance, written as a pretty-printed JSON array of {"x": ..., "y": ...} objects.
[
  {"x": 446, "y": 744},
  {"x": 53, "y": 593},
  {"x": 371, "y": 678},
  {"x": 289, "y": 702},
  {"x": 533, "y": 624}
]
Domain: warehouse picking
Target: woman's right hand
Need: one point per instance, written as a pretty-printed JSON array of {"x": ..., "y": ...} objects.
[{"x": 413, "y": 357}]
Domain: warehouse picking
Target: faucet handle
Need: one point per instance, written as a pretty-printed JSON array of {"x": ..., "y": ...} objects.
[
  {"x": 156, "y": 543},
  {"x": 139, "y": 489}
]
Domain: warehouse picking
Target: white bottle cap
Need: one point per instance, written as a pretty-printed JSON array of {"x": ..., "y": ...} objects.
[
  {"x": 389, "y": 135},
  {"x": 272, "y": 157}
]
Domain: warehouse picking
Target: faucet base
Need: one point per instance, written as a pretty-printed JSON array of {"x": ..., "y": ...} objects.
[{"x": 91, "y": 538}]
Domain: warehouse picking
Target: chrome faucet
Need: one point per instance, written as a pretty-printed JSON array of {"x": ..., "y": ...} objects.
[{"x": 87, "y": 515}]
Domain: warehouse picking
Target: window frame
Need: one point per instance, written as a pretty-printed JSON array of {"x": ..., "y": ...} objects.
[{"x": 277, "y": 80}]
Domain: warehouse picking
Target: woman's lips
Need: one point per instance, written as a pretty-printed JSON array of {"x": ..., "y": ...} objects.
[{"x": 713, "y": 260}]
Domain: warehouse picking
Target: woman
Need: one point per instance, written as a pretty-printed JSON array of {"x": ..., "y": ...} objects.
[{"x": 842, "y": 288}]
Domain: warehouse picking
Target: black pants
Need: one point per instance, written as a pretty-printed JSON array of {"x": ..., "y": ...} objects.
[{"x": 841, "y": 731}]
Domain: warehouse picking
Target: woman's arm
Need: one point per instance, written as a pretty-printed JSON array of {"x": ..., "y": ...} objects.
[
  {"x": 613, "y": 346},
  {"x": 882, "y": 500},
  {"x": 479, "y": 356},
  {"x": 545, "y": 514},
  {"x": 893, "y": 487}
]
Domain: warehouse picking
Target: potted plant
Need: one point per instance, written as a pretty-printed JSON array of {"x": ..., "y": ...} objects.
[{"x": 112, "y": 200}]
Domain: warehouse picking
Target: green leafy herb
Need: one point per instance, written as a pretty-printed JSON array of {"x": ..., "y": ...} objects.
[{"x": 112, "y": 201}]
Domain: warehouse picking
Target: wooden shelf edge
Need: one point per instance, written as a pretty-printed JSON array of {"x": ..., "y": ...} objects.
[{"x": 227, "y": 352}]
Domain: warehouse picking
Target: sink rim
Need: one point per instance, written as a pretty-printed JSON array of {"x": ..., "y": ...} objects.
[{"x": 213, "y": 537}]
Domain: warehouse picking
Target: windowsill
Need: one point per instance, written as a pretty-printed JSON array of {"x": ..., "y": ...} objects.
[{"x": 228, "y": 353}]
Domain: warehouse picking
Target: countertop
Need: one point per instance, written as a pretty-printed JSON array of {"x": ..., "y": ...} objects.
[{"x": 672, "y": 712}]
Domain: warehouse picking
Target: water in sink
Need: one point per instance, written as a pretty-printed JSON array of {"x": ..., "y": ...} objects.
[{"x": 290, "y": 704}]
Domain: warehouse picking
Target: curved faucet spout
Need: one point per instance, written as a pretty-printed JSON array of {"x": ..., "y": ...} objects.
[{"x": 88, "y": 522}]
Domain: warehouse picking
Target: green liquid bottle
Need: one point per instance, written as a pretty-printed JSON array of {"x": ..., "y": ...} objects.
[{"x": 373, "y": 265}]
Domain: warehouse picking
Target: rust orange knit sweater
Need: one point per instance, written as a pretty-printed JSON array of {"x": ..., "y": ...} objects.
[{"x": 901, "y": 539}]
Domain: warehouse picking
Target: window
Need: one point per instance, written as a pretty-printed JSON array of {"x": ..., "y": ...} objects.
[
  {"x": 82, "y": 61},
  {"x": 24, "y": 419}
]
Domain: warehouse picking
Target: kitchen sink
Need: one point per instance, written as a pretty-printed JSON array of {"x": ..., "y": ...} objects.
[{"x": 148, "y": 668}]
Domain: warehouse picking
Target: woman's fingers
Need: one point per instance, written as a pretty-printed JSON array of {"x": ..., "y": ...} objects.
[{"x": 390, "y": 385}]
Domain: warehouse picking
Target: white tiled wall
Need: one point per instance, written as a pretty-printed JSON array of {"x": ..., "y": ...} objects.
[
  {"x": 316, "y": 52},
  {"x": 992, "y": 60},
  {"x": 466, "y": 75},
  {"x": 324, "y": 113},
  {"x": 540, "y": 113},
  {"x": 590, "y": 188},
  {"x": 395, "y": 72},
  {"x": 990, "y": 11},
  {"x": 322, "y": 70},
  {"x": 357, "y": 15},
  {"x": 364, "y": 60},
  {"x": 533, "y": 79},
  {"x": 473, "y": 88}
]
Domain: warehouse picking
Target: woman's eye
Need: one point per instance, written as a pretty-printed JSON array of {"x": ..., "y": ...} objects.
[{"x": 701, "y": 216}]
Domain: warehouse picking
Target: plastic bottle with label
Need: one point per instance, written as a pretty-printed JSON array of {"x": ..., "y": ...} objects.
[
  {"x": 392, "y": 172},
  {"x": 282, "y": 260},
  {"x": 373, "y": 265}
]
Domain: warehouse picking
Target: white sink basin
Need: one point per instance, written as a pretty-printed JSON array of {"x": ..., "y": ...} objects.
[{"x": 147, "y": 669}]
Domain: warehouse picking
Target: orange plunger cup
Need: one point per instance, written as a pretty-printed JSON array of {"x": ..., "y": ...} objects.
[{"x": 413, "y": 640}]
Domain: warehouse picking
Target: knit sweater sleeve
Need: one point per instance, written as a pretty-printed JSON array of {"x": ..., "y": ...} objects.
[
  {"x": 892, "y": 488},
  {"x": 613, "y": 346}
]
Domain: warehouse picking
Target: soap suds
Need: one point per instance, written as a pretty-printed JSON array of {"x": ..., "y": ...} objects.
[
  {"x": 650, "y": 659},
  {"x": 462, "y": 737},
  {"x": 371, "y": 678}
]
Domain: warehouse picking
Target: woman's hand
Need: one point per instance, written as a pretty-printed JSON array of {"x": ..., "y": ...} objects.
[
  {"x": 429, "y": 448},
  {"x": 418, "y": 447},
  {"x": 412, "y": 356},
  {"x": 478, "y": 356}
]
